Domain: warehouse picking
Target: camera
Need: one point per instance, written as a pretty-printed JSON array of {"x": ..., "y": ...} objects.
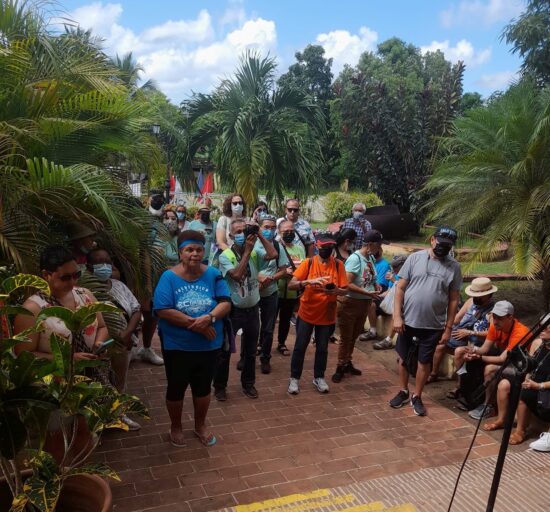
[
  {"x": 330, "y": 286},
  {"x": 251, "y": 229}
]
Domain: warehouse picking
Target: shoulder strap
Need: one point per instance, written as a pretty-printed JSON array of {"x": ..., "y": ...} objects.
[{"x": 288, "y": 256}]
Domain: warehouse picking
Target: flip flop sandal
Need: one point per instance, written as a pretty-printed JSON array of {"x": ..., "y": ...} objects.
[
  {"x": 432, "y": 378},
  {"x": 490, "y": 427},
  {"x": 517, "y": 437},
  {"x": 177, "y": 443},
  {"x": 283, "y": 350},
  {"x": 454, "y": 394},
  {"x": 209, "y": 440}
]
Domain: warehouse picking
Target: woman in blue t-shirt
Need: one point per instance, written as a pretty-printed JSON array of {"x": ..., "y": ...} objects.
[{"x": 190, "y": 301}]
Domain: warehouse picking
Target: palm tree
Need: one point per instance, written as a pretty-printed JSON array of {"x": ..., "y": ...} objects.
[
  {"x": 129, "y": 73},
  {"x": 260, "y": 135},
  {"x": 66, "y": 122},
  {"x": 495, "y": 178}
]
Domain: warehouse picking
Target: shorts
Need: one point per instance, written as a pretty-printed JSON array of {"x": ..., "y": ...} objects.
[
  {"x": 185, "y": 368},
  {"x": 427, "y": 340}
]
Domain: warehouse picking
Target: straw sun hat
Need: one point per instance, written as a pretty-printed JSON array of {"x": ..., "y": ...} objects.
[{"x": 480, "y": 286}]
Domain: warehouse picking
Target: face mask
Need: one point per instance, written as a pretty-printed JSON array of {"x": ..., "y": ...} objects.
[
  {"x": 180, "y": 215},
  {"x": 237, "y": 209},
  {"x": 288, "y": 238},
  {"x": 325, "y": 252},
  {"x": 156, "y": 213},
  {"x": 205, "y": 217},
  {"x": 267, "y": 234},
  {"x": 478, "y": 301},
  {"x": 103, "y": 271},
  {"x": 171, "y": 226},
  {"x": 240, "y": 239},
  {"x": 351, "y": 247},
  {"x": 357, "y": 215},
  {"x": 442, "y": 250}
]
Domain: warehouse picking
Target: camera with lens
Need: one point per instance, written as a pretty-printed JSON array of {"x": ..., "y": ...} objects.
[
  {"x": 251, "y": 229},
  {"x": 330, "y": 286}
]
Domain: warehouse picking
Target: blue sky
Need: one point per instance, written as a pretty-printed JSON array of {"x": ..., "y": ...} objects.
[{"x": 187, "y": 46}]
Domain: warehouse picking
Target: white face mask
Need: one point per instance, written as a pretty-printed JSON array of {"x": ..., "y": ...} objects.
[
  {"x": 237, "y": 209},
  {"x": 357, "y": 215},
  {"x": 156, "y": 213}
]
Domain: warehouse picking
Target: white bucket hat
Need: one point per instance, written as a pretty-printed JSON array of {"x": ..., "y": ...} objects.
[{"x": 480, "y": 286}]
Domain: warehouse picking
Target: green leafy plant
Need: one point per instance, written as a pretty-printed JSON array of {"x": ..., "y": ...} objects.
[
  {"x": 338, "y": 205},
  {"x": 35, "y": 390}
]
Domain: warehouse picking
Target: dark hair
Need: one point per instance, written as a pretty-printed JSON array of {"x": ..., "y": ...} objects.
[
  {"x": 261, "y": 203},
  {"x": 226, "y": 207},
  {"x": 191, "y": 234},
  {"x": 90, "y": 255},
  {"x": 53, "y": 256},
  {"x": 345, "y": 234}
]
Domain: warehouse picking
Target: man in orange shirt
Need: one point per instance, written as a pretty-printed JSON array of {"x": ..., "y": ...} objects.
[
  {"x": 322, "y": 278},
  {"x": 505, "y": 332}
]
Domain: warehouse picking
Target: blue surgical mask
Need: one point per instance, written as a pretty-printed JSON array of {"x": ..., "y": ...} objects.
[
  {"x": 239, "y": 239},
  {"x": 180, "y": 215},
  {"x": 103, "y": 271},
  {"x": 267, "y": 234}
]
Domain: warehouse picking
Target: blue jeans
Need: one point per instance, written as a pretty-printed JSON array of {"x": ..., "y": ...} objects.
[
  {"x": 304, "y": 331},
  {"x": 268, "y": 315}
]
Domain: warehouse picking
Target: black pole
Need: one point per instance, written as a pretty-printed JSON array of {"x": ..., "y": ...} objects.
[
  {"x": 515, "y": 391},
  {"x": 167, "y": 185}
]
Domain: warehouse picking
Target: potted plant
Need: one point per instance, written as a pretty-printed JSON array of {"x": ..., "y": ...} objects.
[{"x": 36, "y": 393}]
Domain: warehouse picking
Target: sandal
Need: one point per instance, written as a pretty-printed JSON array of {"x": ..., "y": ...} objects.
[
  {"x": 283, "y": 350},
  {"x": 178, "y": 441},
  {"x": 517, "y": 437},
  {"x": 432, "y": 378},
  {"x": 209, "y": 440},
  {"x": 454, "y": 394},
  {"x": 495, "y": 425}
]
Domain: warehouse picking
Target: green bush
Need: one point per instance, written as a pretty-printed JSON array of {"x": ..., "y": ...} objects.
[{"x": 338, "y": 205}]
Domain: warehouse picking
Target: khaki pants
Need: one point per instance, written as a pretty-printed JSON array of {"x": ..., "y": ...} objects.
[{"x": 351, "y": 316}]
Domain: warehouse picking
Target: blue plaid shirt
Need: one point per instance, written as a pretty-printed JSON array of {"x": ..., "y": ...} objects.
[{"x": 360, "y": 227}]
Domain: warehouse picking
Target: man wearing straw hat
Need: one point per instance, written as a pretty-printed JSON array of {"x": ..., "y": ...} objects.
[{"x": 470, "y": 325}]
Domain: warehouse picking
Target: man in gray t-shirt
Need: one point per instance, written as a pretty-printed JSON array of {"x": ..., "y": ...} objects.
[{"x": 426, "y": 302}]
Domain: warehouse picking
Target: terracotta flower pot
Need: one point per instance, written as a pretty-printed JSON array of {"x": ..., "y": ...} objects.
[{"x": 81, "y": 493}]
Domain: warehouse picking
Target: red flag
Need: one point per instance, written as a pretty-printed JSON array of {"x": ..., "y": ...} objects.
[{"x": 208, "y": 186}]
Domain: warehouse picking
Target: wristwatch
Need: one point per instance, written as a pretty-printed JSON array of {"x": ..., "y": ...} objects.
[{"x": 212, "y": 318}]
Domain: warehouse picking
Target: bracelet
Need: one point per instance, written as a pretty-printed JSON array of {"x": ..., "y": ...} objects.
[{"x": 542, "y": 386}]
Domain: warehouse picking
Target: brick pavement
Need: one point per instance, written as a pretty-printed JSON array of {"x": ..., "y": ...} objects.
[{"x": 280, "y": 444}]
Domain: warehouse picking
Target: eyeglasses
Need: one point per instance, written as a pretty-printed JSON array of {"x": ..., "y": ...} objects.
[
  {"x": 74, "y": 276},
  {"x": 293, "y": 210},
  {"x": 236, "y": 202}
]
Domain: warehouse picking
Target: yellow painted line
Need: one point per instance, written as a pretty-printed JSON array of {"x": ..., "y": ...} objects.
[
  {"x": 285, "y": 500},
  {"x": 407, "y": 507}
]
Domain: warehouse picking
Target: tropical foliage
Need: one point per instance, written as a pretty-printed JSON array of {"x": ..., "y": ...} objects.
[
  {"x": 72, "y": 126},
  {"x": 261, "y": 136},
  {"x": 494, "y": 178},
  {"x": 338, "y": 205}
]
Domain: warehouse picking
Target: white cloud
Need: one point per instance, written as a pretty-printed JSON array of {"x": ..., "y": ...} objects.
[
  {"x": 186, "y": 54},
  {"x": 463, "y": 50},
  {"x": 346, "y": 48},
  {"x": 497, "y": 81},
  {"x": 475, "y": 12}
]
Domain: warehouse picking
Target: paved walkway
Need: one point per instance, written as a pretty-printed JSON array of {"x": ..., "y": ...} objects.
[{"x": 280, "y": 445}]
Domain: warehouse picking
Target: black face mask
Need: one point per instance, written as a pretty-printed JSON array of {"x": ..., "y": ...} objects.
[
  {"x": 441, "y": 250},
  {"x": 288, "y": 238},
  {"x": 325, "y": 252},
  {"x": 205, "y": 217}
]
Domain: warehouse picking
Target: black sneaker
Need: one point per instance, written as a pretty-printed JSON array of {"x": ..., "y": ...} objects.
[
  {"x": 338, "y": 374},
  {"x": 349, "y": 368},
  {"x": 240, "y": 365},
  {"x": 220, "y": 394},
  {"x": 265, "y": 367},
  {"x": 250, "y": 392},
  {"x": 400, "y": 399},
  {"x": 418, "y": 406}
]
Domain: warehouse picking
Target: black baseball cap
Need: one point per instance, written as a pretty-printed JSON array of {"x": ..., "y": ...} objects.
[
  {"x": 373, "y": 235},
  {"x": 445, "y": 235}
]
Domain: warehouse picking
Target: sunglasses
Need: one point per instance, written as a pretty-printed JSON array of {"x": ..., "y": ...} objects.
[
  {"x": 68, "y": 277},
  {"x": 294, "y": 210},
  {"x": 236, "y": 202},
  {"x": 261, "y": 210},
  {"x": 288, "y": 233}
]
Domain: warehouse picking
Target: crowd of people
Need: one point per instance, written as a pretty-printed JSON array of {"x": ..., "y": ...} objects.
[{"x": 239, "y": 275}]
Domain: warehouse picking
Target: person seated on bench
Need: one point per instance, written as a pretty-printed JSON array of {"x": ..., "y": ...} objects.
[
  {"x": 470, "y": 326},
  {"x": 505, "y": 332},
  {"x": 535, "y": 396}
]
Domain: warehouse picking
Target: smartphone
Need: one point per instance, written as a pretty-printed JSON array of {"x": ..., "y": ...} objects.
[{"x": 102, "y": 347}]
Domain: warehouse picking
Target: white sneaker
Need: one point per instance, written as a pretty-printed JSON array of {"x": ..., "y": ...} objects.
[
  {"x": 462, "y": 370},
  {"x": 293, "y": 387},
  {"x": 321, "y": 385},
  {"x": 150, "y": 356},
  {"x": 542, "y": 444},
  {"x": 132, "y": 425},
  {"x": 134, "y": 354}
]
